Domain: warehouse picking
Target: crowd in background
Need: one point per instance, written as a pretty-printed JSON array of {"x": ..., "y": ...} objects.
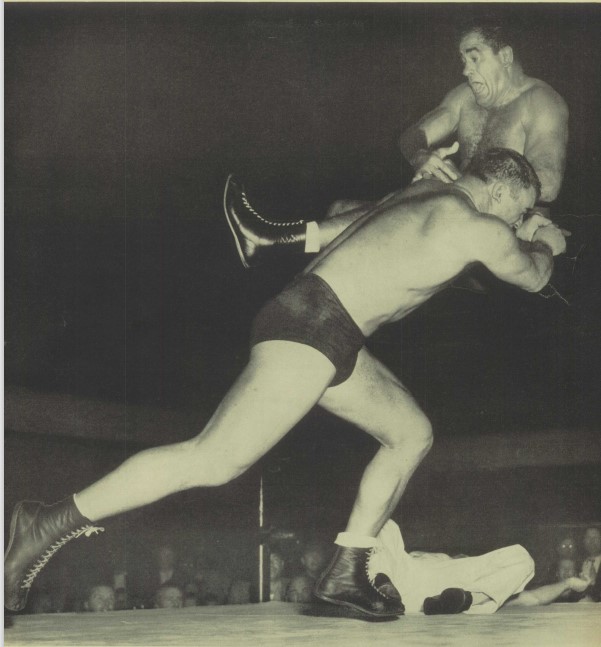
[{"x": 170, "y": 578}]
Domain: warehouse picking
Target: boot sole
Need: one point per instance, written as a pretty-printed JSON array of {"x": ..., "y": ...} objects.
[
  {"x": 231, "y": 226},
  {"x": 350, "y": 605}
]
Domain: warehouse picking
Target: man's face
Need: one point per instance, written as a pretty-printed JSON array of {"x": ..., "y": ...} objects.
[
  {"x": 566, "y": 568},
  {"x": 592, "y": 541},
  {"x": 170, "y": 598},
  {"x": 511, "y": 205},
  {"x": 314, "y": 561},
  {"x": 102, "y": 598},
  {"x": 566, "y": 547},
  {"x": 300, "y": 589},
  {"x": 485, "y": 71}
]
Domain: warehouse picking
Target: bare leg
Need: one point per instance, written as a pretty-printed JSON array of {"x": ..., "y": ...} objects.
[
  {"x": 376, "y": 401},
  {"x": 260, "y": 408}
]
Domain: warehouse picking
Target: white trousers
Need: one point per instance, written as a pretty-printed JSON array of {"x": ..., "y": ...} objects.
[{"x": 498, "y": 574}]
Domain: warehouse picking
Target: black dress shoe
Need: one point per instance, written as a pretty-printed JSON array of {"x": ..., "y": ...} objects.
[
  {"x": 37, "y": 531},
  {"x": 257, "y": 238},
  {"x": 346, "y": 583},
  {"x": 449, "y": 601}
]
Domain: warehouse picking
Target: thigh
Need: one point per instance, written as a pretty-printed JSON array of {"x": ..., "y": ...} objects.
[
  {"x": 281, "y": 383},
  {"x": 375, "y": 400}
]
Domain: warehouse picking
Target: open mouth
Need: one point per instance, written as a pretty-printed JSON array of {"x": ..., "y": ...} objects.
[{"x": 477, "y": 87}]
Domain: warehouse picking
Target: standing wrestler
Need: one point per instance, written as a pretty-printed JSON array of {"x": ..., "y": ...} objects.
[
  {"x": 498, "y": 105},
  {"x": 308, "y": 348}
]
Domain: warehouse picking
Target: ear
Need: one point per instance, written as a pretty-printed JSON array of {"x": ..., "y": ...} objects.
[
  {"x": 497, "y": 191},
  {"x": 506, "y": 54}
]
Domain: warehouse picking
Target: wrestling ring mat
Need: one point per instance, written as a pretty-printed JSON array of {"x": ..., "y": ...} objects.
[{"x": 274, "y": 624}]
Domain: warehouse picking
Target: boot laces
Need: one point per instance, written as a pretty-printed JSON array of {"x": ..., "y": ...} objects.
[
  {"x": 371, "y": 580},
  {"x": 45, "y": 558},
  {"x": 264, "y": 220}
]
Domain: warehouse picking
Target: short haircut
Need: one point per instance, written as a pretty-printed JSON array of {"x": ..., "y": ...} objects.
[
  {"x": 507, "y": 166},
  {"x": 495, "y": 33}
]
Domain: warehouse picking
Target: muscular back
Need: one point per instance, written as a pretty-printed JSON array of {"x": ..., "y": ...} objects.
[{"x": 399, "y": 255}]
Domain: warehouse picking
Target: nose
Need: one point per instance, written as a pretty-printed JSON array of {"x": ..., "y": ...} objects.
[{"x": 467, "y": 68}]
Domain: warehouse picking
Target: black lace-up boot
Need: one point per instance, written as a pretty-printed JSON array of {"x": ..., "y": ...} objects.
[
  {"x": 256, "y": 237},
  {"x": 346, "y": 583},
  {"x": 37, "y": 531}
]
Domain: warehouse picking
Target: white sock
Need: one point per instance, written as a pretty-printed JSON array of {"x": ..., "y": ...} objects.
[
  {"x": 81, "y": 512},
  {"x": 354, "y": 540},
  {"x": 312, "y": 245}
]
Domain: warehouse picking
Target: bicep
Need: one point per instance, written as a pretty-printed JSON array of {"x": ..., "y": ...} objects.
[{"x": 441, "y": 122}]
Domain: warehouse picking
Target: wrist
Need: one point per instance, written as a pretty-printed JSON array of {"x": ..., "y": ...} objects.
[
  {"x": 419, "y": 158},
  {"x": 540, "y": 245}
]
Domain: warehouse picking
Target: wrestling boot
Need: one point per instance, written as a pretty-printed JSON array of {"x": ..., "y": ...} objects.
[
  {"x": 37, "y": 531},
  {"x": 346, "y": 583},
  {"x": 449, "y": 601},
  {"x": 257, "y": 238}
]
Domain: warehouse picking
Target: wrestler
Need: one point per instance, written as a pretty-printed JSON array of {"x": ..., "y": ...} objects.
[
  {"x": 434, "y": 583},
  {"x": 308, "y": 348},
  {"x": 498, "y": 105}
]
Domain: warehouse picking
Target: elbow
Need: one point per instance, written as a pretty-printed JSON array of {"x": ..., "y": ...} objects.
[
  {"x": 551, "y": 184},
  {"x": 549, "y": 192},
  {"x": 538, "y": 286}
]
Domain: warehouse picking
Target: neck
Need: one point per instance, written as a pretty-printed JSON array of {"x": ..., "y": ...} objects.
[
  {"x": 471, "y": 187},
  {"x": 515, "y": 80}
]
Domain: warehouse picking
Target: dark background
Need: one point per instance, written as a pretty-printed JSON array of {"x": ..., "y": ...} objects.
[{"x": 122, "y": 285}]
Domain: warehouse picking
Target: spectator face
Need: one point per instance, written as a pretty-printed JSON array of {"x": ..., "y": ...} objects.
[
  {"x": 592, "y": 542},
  {"x": 300, "y": 589},
  {"x": 566, "y": 568},
  {"x": 101, "y": 598},
  {"x": 170, "y": 597},
  {"x": 567, "y": 547},
  {"x": 314, "y": 561}
]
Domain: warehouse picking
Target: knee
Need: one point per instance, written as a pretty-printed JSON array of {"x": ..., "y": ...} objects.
[
  {"x": 417, "y": 436},
  {"x": 204, "y": 467}
]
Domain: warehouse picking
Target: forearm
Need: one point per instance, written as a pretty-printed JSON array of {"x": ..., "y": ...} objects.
[
  {"x": 413, "y": 144},
  {"x": 543, "y": 595}
]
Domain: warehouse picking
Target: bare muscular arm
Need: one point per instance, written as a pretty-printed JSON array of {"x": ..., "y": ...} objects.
[
  {"x": 528, "y": 265},
  {"x": 546, "y": 139},
  {"x": 418, "y": 141}
]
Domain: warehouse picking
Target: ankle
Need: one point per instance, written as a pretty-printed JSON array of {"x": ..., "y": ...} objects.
[
  {"x": 82, "y": 509},
  {"x": 312, "y": 244}
]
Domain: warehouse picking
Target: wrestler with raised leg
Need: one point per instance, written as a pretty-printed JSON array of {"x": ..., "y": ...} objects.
[
  {"x": 498, "y": 105},
  {"x": 308, "y": 348}
]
